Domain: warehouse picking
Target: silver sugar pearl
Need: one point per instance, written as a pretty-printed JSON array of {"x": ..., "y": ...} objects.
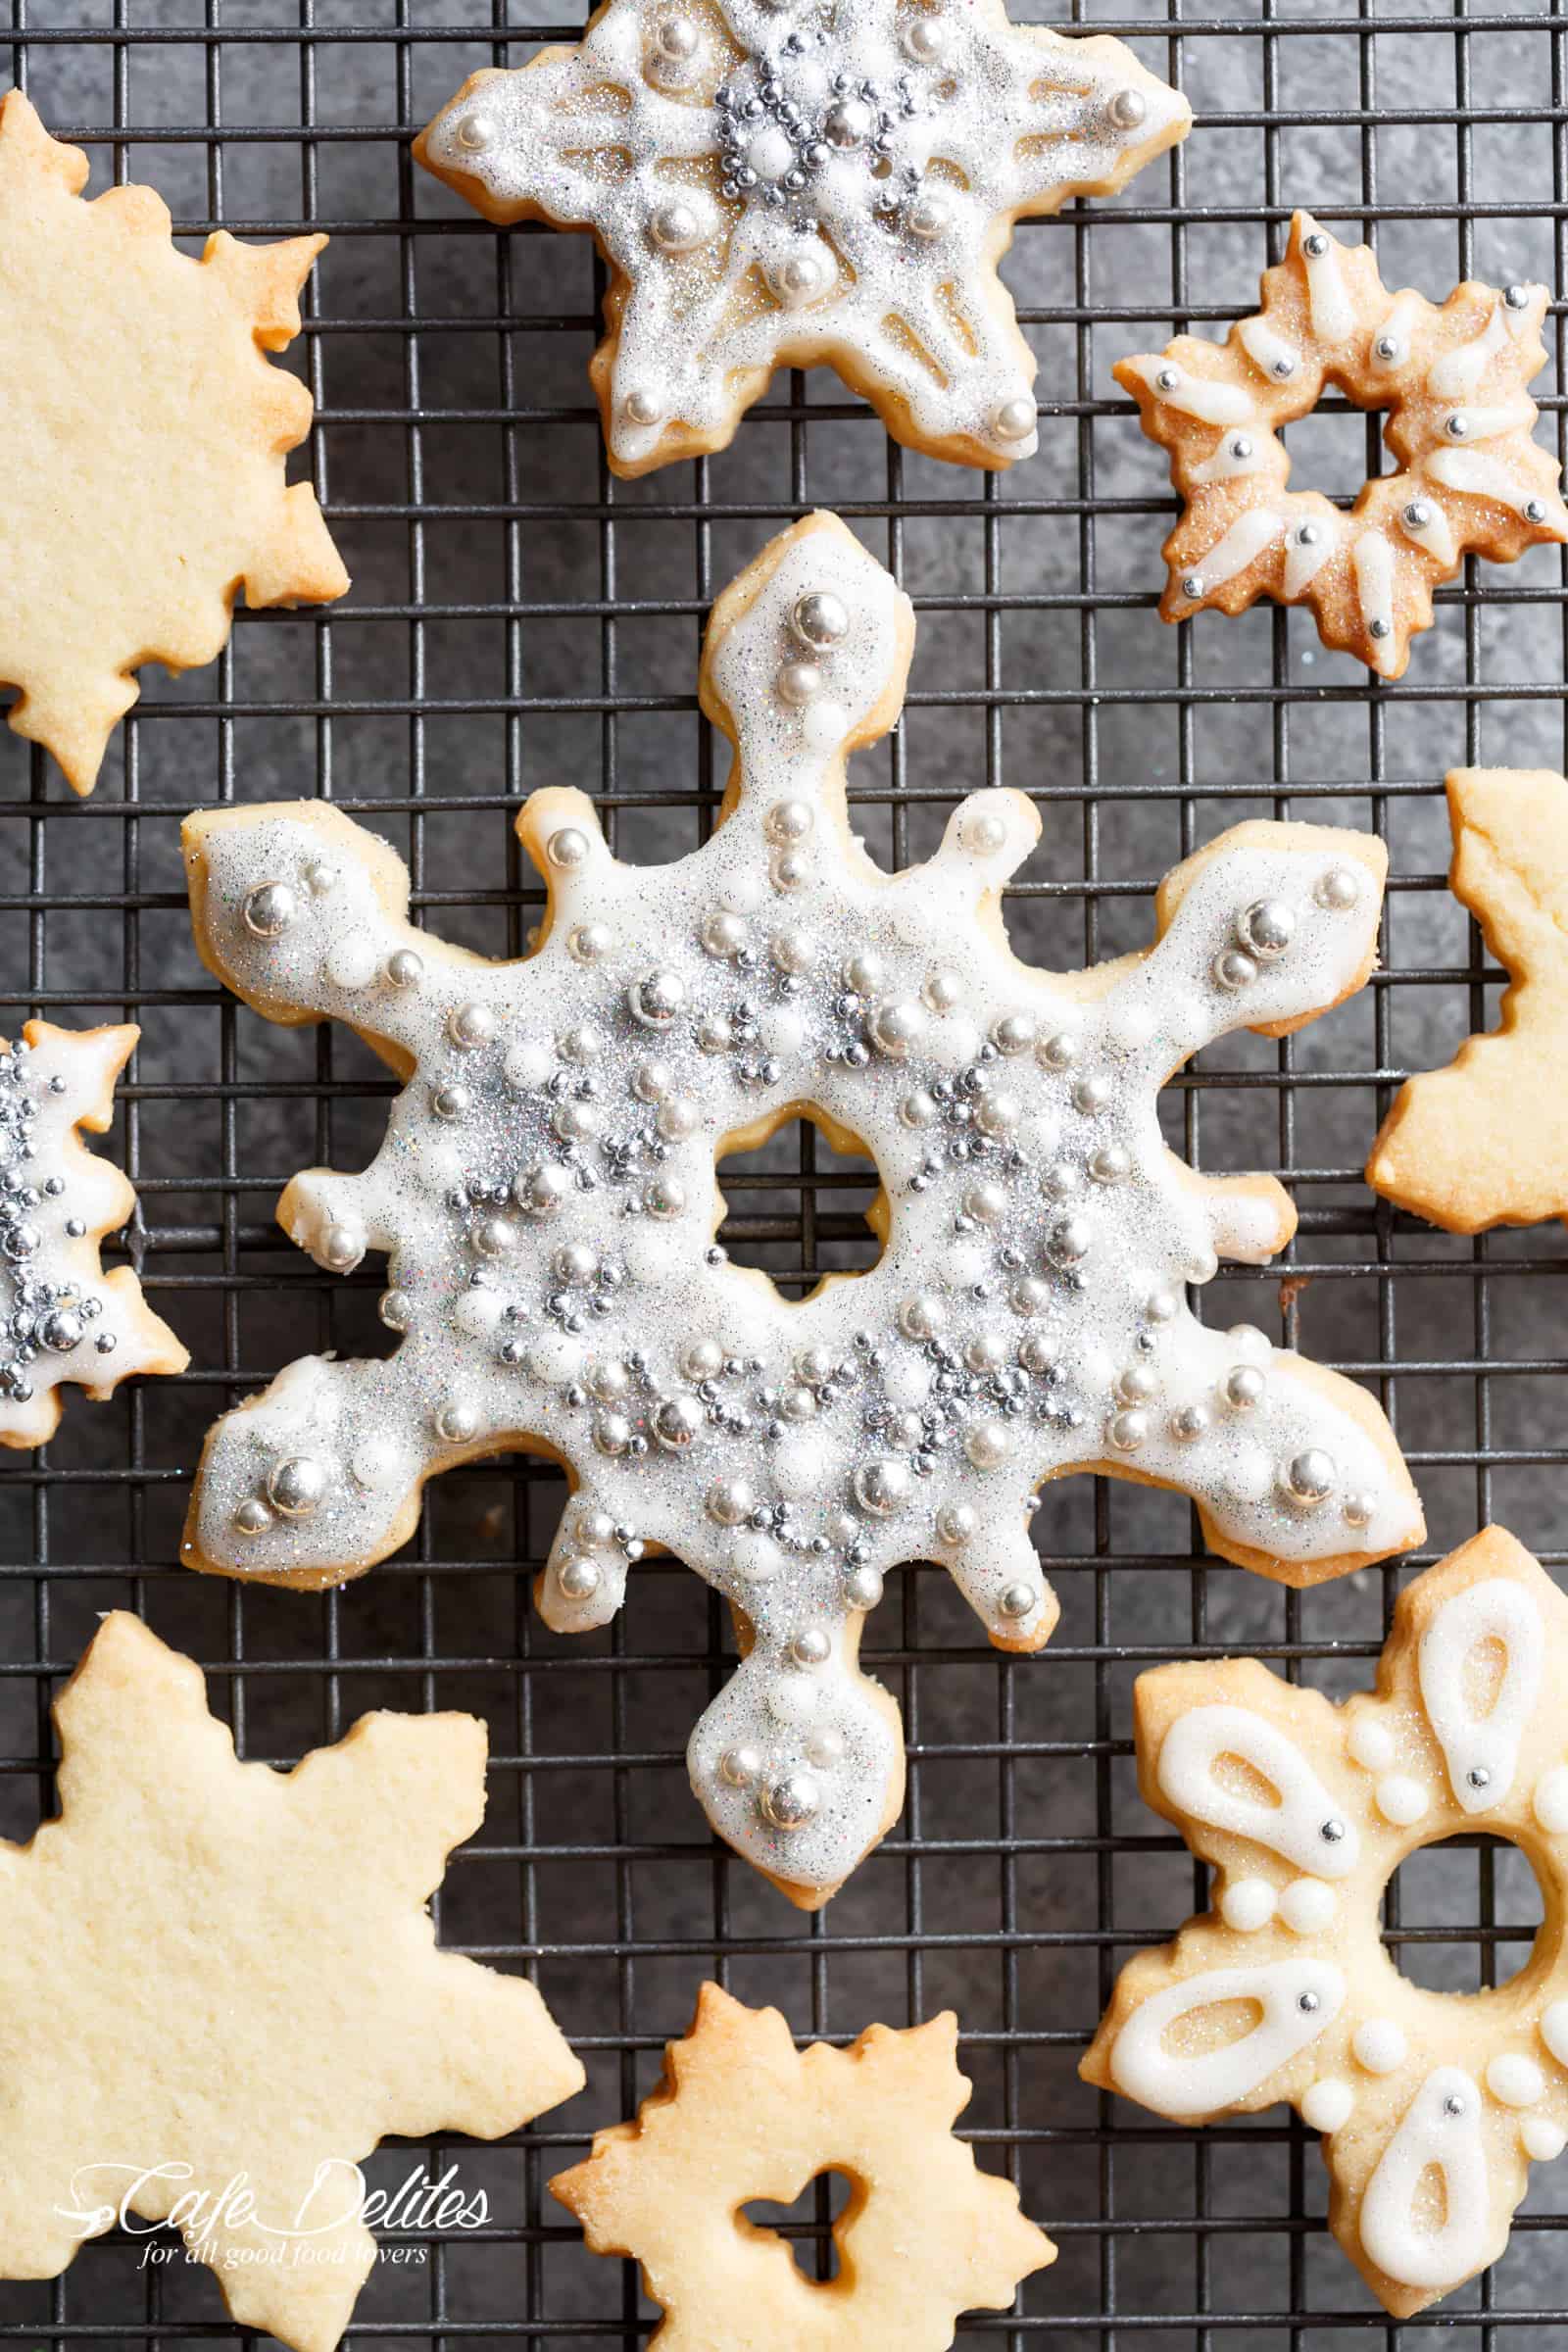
[
  {"x": 270, "y": 910},
  {"x": 296, "y": 1486}
]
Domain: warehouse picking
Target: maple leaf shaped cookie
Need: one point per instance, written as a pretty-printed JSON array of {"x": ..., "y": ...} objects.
[
  {"x": 1485, "y": 1142},
  {"x": 229, "y": 1973},
  {"x": 741, "y": 2114},
  {"x": 142, "y": 440}
]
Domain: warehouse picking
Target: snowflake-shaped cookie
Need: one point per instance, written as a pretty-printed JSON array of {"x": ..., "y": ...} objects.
[
  {"x": 142, "y": 443},
  {"x": 546, "y": 1194},
  {"x": 1303, "y": 1809},
  {"x": 1452, "y": 380},
  {"x": 742, "y": 2114},
  {"x": 778, "y": 185},
  {"x": 219, "y": 1988},
  {"x": 61, "y": 1317}
]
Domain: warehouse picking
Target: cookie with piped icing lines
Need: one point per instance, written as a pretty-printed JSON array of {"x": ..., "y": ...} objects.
[
  {"x": 1284, "y": 1989},
  {"x": 813, "y": 184},
  {"x": 547, "y": 1197},
  {"x": 1485, "y": 1141},
  {"x": 1470, "y": 481}
]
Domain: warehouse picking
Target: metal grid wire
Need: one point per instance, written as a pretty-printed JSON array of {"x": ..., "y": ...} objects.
[{"x": 518, "y": 617}]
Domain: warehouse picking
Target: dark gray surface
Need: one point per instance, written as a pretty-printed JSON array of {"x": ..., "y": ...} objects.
[{"x": 642, "y": 1906}]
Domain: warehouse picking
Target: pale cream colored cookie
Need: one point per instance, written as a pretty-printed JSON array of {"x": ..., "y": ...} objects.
[
  {"x": 1470, "y": 478},
  {"x": 740, "y": 2114},
  {"x": 1485, "y": 1142},
  {"x": 64, "y": 1318},
  {"x": 212, "y": 1972},
  {"x": 785, "y": 188},
  {"x": 1431, "y": 2105},
  {"x": 142, "y": 441}
]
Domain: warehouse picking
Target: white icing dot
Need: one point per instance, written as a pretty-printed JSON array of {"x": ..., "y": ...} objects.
[
  {"x": 1247, "y": 1905},
  {"x": 800, "y": 1466},
  {"x": 1380, "y": 2045},
  {"x": 1554, "y": 2030},
  {"x": 527, "y": 1063},
  {"x": 1371, "y": 1743},
  {"x": 1307, "y": 1906},
  {"x": 1514, "y": 2079},
  {"x": 353, "y": 960},
  {"x": 1541, "y": 2138},
  {"x": 554, "y": 1357},
  {"x": 1327, "y": 2105},
  {"x": 1402, "y": 1799},
  {"x": 1551, "y": 1801},
  {"x": 373, "y": 1463}
]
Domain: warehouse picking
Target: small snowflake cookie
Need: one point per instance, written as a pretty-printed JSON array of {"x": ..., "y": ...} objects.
[
  {"x": 142, "y": 443},
  {"x": 1470, "y": 478},
  {"x": 219, "y": 1988},
  {"x": 778, "y": 183},
  {"x": 546, "y": 1195},
  {"x": 1485, "y": 1142},
  {"x": 742, "y": 2114},
  {"x": 1303, "y": 1808},
  {"x": 61, "y": 1317}
]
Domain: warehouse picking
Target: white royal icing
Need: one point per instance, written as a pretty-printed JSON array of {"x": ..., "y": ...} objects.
[
  {"x": 1370, "y": 1743},
  {"x": 1308, "y": 1907},
  {"x": 1305, "y": 1826},
  {"x": 1380, "y": 2045},
  {"x": 806, "y": 181},
  {"x": 1541, "y": 2138},
  {"x": 1299, "y": 1999},
  {"x": 1402, "y": 1799},
  {"x": 1247, "y": 1905},
  {"x": 1482, "y": 1753},
  {"x": 1554, "y": 2030},
  {"x": 1515, "y": 2080},
  {"x": 1549, "y": 1800},
  {"x": 1442, "y": 2127},
  {"x": 1027, "y": 1315},
  {"x": 1327, "y": 2105}
]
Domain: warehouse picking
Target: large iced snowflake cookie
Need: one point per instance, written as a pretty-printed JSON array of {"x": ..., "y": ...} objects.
[
  {"x": 778, "y": 185},
  {"x": 142, "y": 440},
  {"x": 219, "y": 1988},
  {"x": 1469, "y": 479},
  {"x": 1485, "y": 1142},
  {"x": 742, "y": 2114},
  {"x": 546, "y": 1195},
  {"x": 1284, "y": 1990},
  {"x": 61, "y": 1317}
]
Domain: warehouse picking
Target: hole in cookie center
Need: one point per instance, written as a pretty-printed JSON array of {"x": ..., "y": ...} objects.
[
  {"x": 806, "y": 2226},
  {"x": 796, "y": 1209},
  {"x": 1434, "y": 1902},
  {"x": 1337, "y": 449}
]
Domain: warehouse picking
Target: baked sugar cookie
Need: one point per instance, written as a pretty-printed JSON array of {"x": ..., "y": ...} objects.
[
  {"x": 217, "y": 1978},
  {"x": 1485, "y": 1142},
  {"x": 1469, "y": 479},
  {"x": 547, "y": 1197},
  {"x": 61, "y": 1317},
  {"x": 783, "y": 188},
  {"x": 1284, "y": 1989},
  {"x": 742, "y": 2114},
  {"x": 142, "y": 441}
]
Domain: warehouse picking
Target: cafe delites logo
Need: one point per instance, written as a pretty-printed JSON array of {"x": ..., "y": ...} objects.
[{"x": 108, "y": 2194}]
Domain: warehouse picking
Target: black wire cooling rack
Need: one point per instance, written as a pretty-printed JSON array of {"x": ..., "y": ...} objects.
[{"x": 519, "y": 618}]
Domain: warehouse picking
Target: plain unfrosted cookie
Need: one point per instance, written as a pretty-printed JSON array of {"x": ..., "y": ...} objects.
[
  {"x": 229, "y": 1973},
  {"x": 61, "y": 1317},
  {"x": 142, "y": 440},
  {"x": 546, "y": 1195},
  {"x": 1485, "y": 1142},
  {"x": 1469, "y": 478},
  {"x": 1431, "y": 2105},
  {"x": 742, "y": 2115},
  {"x": 787, "y": 187}
]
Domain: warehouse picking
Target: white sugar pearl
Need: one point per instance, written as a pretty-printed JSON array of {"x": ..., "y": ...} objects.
[
  {"x": 1402, "y": 1799},
  {"x": 1326, "y": 2106},
  {"x": 1371, "y": 1743},
  {"x": 1247, "y": 1905},
  {"x": 1380, "y": 2045},
  {"x": 1309, "y": 1906}
]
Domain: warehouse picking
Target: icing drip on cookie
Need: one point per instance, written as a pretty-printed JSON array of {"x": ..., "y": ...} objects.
[
  {"x": 546, "y": 1196},
  {"x": 1460, "y": 421},
  {"x": 61, "y": 1317},
  {"x": 781, "y": 185},
  {"x": 1464, "y": 1731}
]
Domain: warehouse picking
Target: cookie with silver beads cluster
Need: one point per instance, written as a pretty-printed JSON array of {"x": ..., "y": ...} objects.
[
  {"x": 61, "y": 1319},
  {"x": 817, "y": 180},
  {"x": 546, "y": 1196}
]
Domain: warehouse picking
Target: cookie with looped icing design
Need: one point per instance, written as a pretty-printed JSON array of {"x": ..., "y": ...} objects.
[
  {"x": 1469, "y": 479},
  {"x": 1283, "y": 1990},
  {"x": 742, "y": 2114},
  {"x": 547, "y": 1197},
  {"x": 143, "y": 434},
  {"x": 783, "y": 188}
]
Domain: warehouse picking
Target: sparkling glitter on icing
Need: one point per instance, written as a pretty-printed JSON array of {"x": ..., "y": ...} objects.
[
  {"x": 546, "y": 1196},
  {"x": 1469, "y": 476},
  {"x": 782, "y": 185},
  {"x": 62, "y": 1318},
  {"x": 1467, "y": 1698}
]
